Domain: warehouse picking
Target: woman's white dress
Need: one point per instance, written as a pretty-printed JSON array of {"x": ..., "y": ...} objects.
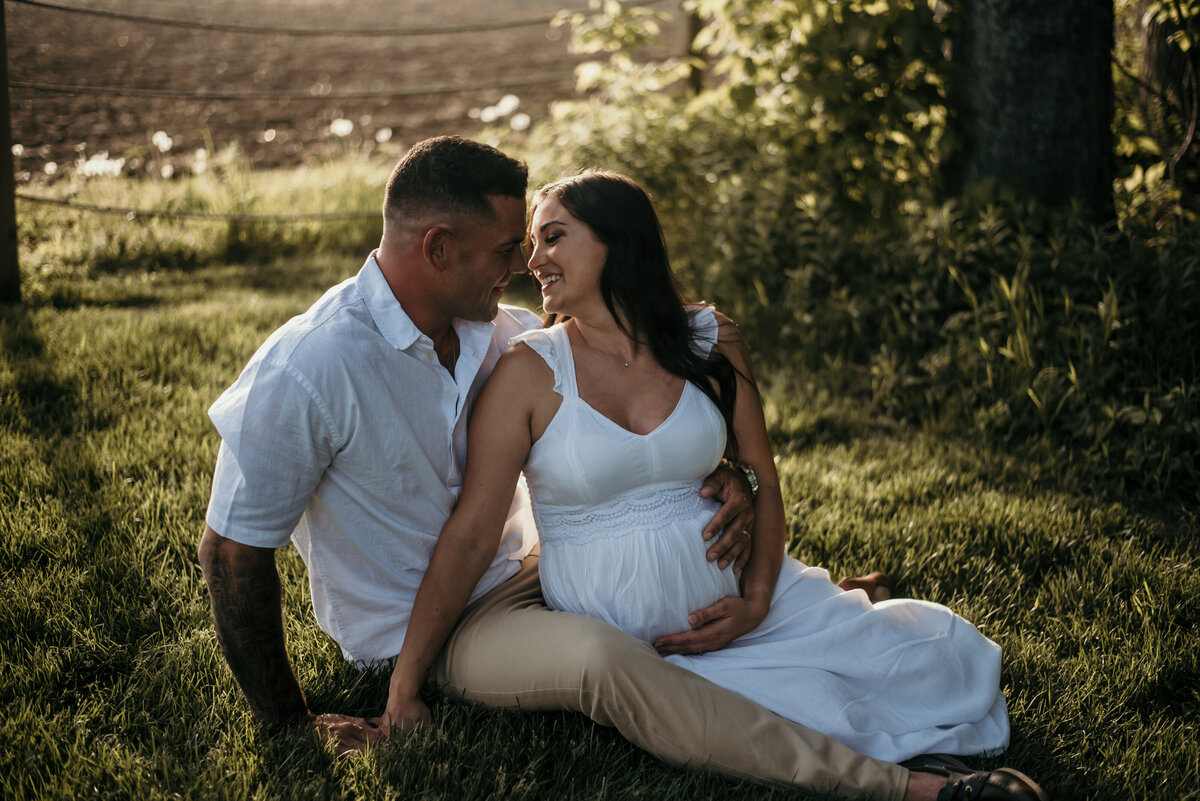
[{"x": 619, "y": 516}]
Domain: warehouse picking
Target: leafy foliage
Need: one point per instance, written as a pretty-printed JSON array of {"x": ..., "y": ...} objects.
[
  {"x": 800, "y": 189},
  {"x": 1156, "y": 79},
  {"x": 1076, "y": 338}
]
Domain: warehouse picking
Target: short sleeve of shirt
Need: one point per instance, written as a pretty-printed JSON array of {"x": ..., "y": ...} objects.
[
  {"x": 523, "y": 317},
  {"x": 277, "y": 439}
]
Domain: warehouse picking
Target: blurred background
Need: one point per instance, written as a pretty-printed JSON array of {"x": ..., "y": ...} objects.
[
  {"x": 971, "y": 211},
  {"x": 85, "y": 83}
]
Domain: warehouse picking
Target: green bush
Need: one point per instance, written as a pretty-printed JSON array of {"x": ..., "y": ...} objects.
[
  {"x": 1156, "y": 60},
  {"x": 800, "y": 191},
  {"x": 1079, "y": 338},
  {"x": 814, "y": 137}
]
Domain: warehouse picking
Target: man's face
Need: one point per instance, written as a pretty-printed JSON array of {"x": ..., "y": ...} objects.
[{"x": 489, "y": 254}]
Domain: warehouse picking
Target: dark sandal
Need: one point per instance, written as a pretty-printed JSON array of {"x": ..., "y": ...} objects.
[{"x": 1003, "y": 784}]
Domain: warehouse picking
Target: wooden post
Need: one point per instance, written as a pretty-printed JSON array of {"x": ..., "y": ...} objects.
[{"x": 10, "y": 270}]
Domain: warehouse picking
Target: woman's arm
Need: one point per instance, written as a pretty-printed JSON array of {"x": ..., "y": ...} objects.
[
  {"x": 754, "y": 448},
  {"x": 498, "y": 445},
  {"x": 720, "y": 624}
]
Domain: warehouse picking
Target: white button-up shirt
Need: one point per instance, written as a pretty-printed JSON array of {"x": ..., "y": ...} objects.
[{"x": 346, "y": 435}]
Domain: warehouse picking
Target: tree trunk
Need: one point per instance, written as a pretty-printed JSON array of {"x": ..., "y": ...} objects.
[{"x": 1032, "y": 99}]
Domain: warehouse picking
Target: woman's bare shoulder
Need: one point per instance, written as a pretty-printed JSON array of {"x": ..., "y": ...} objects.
[
  {"x": 520, "y": 363},
  {"x": 525, "y": 385}
]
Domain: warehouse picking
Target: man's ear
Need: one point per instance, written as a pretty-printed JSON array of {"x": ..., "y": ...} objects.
[{"x": 439, "y": 247}]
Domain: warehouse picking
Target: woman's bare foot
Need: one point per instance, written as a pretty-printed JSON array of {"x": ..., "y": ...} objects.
[{"x": 877, "y": 585}]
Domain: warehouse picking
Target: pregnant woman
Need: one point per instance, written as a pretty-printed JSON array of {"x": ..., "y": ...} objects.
[{"x": 616, "y": 411}]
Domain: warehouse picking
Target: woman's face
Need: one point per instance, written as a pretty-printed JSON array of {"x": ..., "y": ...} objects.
[{"x": 566, "y": 258}]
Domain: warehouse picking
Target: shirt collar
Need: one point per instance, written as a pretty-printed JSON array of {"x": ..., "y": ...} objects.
[{"x": 397, "y": 327}]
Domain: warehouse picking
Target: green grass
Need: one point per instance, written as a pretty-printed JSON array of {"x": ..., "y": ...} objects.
[
  {"x": 63, "y": 246},
  {"x": 112, "y": 685}
]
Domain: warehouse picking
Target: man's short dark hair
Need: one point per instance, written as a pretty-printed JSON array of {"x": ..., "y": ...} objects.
[{"x": 452, "y": 174}]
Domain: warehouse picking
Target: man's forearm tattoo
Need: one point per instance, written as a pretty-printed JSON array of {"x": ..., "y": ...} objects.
[{"x": 248, "y": 614}]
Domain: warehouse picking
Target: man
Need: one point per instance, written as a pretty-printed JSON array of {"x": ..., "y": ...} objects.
[{"x": 346, "y": 434}]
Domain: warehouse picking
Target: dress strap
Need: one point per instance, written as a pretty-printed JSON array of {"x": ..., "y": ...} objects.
[
  {"x": 554, "y": 346},
  {"x": 555, "y": 349}
]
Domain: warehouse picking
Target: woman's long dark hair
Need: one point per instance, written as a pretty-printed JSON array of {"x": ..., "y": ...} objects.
[{"x": 637, "y": 279}]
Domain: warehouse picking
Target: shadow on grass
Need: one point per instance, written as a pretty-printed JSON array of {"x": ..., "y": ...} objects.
[
  {"x": 315, "y": 274},
  {"x": 291, "y": 276},
  {"x": 838, "y": 419},
  {"x": 17, "y": 335},
  {"x": 44, "y": 401},
  {"x": 75, "y": 596},
  {"x": 123, "y": 301},
  {"x": 155, "y": 286}
]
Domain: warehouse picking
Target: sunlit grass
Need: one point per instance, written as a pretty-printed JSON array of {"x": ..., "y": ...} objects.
[
  {"x": 60, "y": 246},
  {"x": 112, "y": 684}
]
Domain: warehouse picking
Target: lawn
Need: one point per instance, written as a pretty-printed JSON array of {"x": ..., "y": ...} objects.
[{"x": 112, "y": 685}]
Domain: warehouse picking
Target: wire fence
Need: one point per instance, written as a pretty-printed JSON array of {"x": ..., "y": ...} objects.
[
  {"x": 133, "y": 91},
  {"x": 133, "y": 214},
  {"x": 199, "y": 25}
]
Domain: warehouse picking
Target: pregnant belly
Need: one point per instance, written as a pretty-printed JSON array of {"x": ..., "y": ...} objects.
[{"x": 643, "y": 572}]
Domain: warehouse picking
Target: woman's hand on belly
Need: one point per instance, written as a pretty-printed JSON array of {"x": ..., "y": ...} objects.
[{"x": 716, "y": 626}]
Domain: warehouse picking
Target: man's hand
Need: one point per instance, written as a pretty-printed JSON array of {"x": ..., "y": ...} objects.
[
  {"x": 402, "y": 716},
  {"x": 346, "y": 733},
  {"x": 734, "y": 521},
  {"x": 715, "y": 627}
]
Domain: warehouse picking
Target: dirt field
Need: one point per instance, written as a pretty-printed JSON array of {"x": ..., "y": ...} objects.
[{"x": 49, "y": 46}]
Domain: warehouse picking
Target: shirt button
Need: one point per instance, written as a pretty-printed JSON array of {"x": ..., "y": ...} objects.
[{"x": 428, "y": 358}]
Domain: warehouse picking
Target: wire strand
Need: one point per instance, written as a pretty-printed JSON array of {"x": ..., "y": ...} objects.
[
  {"x": 358, "y": 32},
  {"x": 132, "y": 213},
  {"x": 252, "y": 29},
  {"x": 130, "y": 91}
]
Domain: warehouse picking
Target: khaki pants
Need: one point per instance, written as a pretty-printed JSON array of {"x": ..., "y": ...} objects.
[{"x": 509, "y": 650}]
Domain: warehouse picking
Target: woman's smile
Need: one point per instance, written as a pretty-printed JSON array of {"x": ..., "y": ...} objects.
[{"x": 562, "y": 244}]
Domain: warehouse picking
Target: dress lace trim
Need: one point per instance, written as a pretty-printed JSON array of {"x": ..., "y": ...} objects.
[{"x": 652, "y": 506}]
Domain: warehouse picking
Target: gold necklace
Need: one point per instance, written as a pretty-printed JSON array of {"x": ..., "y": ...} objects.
[
  {"x": 613, "y": 356},
  {"x": 601, "y": 350}
]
